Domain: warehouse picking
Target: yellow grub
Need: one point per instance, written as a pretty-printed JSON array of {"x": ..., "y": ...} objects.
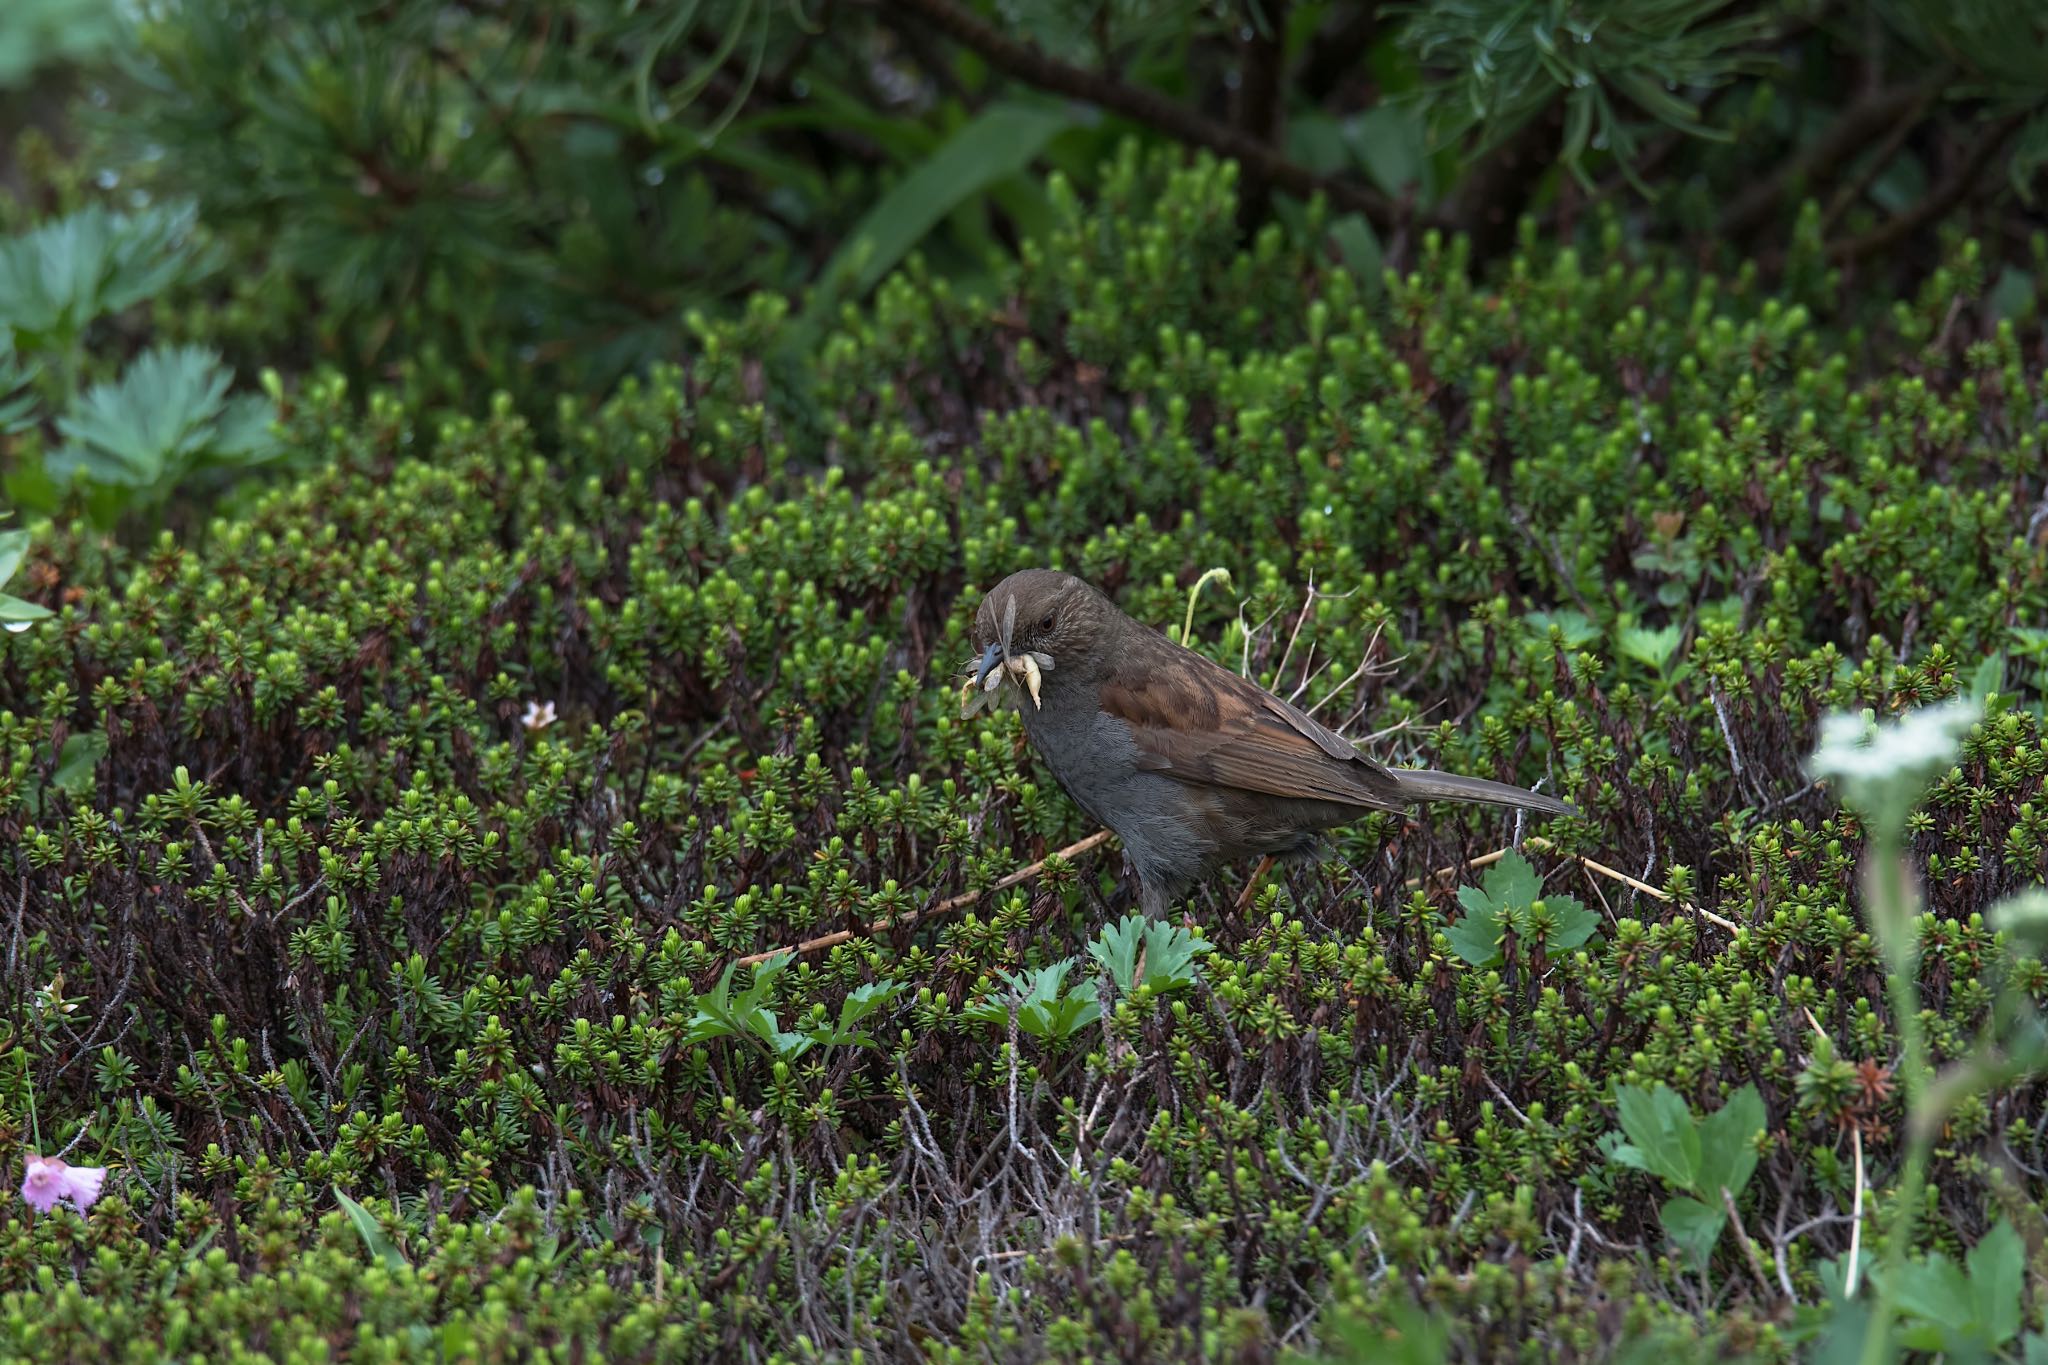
[{"x": 1026, "y": 670}]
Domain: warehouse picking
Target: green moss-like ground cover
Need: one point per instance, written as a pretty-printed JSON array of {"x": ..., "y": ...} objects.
[{"x": 298, "y": 901}]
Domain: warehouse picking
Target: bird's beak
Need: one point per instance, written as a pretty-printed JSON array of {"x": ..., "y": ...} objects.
[{"x": 991, "y": 657}]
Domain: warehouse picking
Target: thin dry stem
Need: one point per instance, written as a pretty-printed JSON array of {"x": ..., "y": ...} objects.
[{"x": 945, "y": 907}]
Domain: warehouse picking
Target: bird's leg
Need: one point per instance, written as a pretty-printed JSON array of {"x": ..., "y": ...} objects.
[{"x": 1251, "y": 888}]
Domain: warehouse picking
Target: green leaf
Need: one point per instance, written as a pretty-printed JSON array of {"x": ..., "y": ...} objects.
[
  {"x": 1402, "y": 1333},
  {"x": 1662, "y": 1136},
  {"x": 1840, "y": 1335},
  {"x": 164, "y": 420},
  {"x": 374, "y": 1241},
  {"x": 157, "y": 421},
  {"x": 1476, "y": 901},
  {"x": 1986, "y": 680},
  {"x": 858, "y": 1005},
  {"x": 1316, "y": 141},
  {"x": 1501, "y": 902},
  {"x": 243, "y": 434},
  {"x": 1359, "y": 248},
  {"x": 1571, "y": 923},
  {"x": 2023, "y": 917},
  {"x": 17, "y": 403},
  {"x": 721, "y": 1015},
  {"x": 1727, "y": 1144},
  {"x": 1511, "y": 883},
  {"x": 1476, "y": 938},
  {"x": 41, "y": 33},
  {"x": 1576, "y": 627},
  {"x": 1392, "y": 144},
  {"x": 1045, "y": 1008},
  {"x": 1137, "y": 951},
  {"x": 1998, "y": 1271},
  {"x": 13, "y": 549},
  {"x": 862, "y": 1001},
  {"x": 998, "y": 143},
  {"x": 1117, "y": 949},
  {"x": 17, "y": 615},
  {"x": 1693, "y": 1226},
  {"x": 81, "y": 754},
  {"x": 1934, "y": 1289},
  {"x": 60, "y": 277},
  {"x": 1651, "y": 647}
]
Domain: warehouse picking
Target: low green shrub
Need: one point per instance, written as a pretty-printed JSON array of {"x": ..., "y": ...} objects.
[{"x": 393, "y": 840}]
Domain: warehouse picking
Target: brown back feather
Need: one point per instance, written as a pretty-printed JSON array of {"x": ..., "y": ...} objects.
[{"x": 1201, "y": 723}]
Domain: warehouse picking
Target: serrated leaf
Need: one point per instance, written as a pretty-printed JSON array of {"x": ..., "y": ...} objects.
[
  {"x": 1117, "y": 947},
  {"x": 1476, "y": 938},
  {"x": 1576, "y": 627},
  {"x": 17, "y": 404},
  {"x": 1934, "y": 1289},
  {"x": 1728, "y": 1143},
  {"x": 1651, "y": 647},
  {"x": 1358, "y": 246},
  {"x": 1512, "y": 883},
  {"x": 863, "y": 1001},
  {"x": 1391, "y": 142},
  {"x": 151, "y": 421},
  {"x": 1317, "y": 142},
  {"x": 1475, "y": 900},
  {"x": 1664, "y": 1139},
  {"x": 243, "y": 435},
  {"x": 1045, "y": 1007},
  {"x": 58, "y": 278},
  {"x": 1693, "y": 1226},
  {"x": 1998, "y": 1270},
  {"x": 1572, "y": 922},
  {"x": 1138, "y": 951}
]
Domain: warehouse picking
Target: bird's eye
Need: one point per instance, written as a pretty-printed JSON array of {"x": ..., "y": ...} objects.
[{"x": 1045, "y": 622}]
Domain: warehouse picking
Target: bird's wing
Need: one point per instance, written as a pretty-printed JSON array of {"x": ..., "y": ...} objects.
[{"x": 1197, "y": 721}]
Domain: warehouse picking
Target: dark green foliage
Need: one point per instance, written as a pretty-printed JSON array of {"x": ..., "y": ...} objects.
[
  {"x": 457, "y": 197},
  {"x": 335, "y": 911}
]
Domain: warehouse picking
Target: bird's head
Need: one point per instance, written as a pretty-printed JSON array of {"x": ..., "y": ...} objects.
[{"x": 1041, "y": 613}]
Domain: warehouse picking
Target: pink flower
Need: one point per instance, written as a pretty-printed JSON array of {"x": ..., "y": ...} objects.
[{"x": 51, "y": 1178}]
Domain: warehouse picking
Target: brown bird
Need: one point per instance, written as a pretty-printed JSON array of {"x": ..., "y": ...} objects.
[{"x": 1190, "y": 764}]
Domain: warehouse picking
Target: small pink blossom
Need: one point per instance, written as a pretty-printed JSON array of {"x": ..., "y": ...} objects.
[
  {"x": 539, "y": 715},
  {"x": 50, "y": 1178}
]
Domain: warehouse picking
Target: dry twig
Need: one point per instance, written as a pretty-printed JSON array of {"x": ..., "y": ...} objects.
[{"x": 944, "y": 907}]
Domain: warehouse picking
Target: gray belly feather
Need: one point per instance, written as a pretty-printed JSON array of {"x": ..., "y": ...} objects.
[{"x": 1094, "y": 759}]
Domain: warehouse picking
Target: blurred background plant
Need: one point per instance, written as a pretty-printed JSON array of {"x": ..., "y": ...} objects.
[
  {"x": 474, "y": 196},
  {"x": 1926, "y": 1302},
  {"x": 101, "y": 410}
]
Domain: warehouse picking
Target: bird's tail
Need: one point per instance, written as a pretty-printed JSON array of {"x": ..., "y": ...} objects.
[{"x": 1421, "y": 784}]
